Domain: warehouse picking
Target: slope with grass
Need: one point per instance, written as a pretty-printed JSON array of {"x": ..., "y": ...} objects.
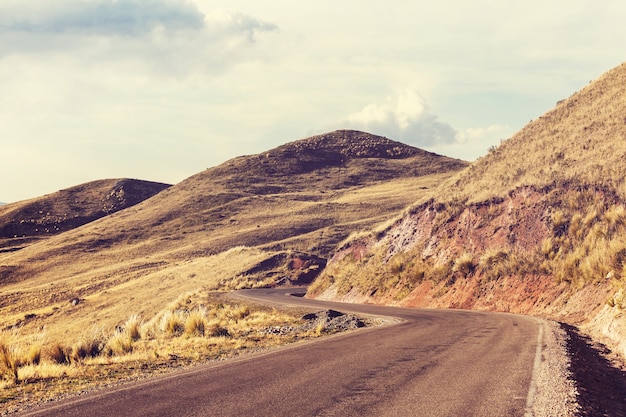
[
  {"x": 536, "y": 226},
  {"x": 258, "y": 220}
]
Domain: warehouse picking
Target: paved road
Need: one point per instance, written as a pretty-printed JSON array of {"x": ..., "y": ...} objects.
[{"x": 432, "y": 363}]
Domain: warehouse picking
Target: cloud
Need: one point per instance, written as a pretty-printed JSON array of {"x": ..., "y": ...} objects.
[
  {"x": 405, "y": 117},
  {"x": 474, "y": 134},
  {"x": 100, "y": 17},
  {"x": 163, "y": 36}
]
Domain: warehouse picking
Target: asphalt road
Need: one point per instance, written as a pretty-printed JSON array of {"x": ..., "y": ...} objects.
[{"x": 431, "y": 363}]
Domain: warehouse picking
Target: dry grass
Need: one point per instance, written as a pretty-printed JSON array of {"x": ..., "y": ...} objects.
[
  {"x": 9, "y": 361},
  {"x": 205, "y": 328},
  {"x": 106, "y": 270},
  {"x": 580, "y": 140},
  {"x": 561, "y": 177}
]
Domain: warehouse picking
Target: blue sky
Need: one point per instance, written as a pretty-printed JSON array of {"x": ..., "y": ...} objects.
[{"x": 162, "y": 89}]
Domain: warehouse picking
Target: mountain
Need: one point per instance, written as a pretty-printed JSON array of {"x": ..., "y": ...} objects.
[
  {"x": 536, "y": 226},
  {"x": 252, "y": 221}
]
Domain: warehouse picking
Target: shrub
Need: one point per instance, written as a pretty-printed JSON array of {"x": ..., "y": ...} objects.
[
  {"x": 90, "y": 345},
  {"x": 57, "y": 353},
  {"x": 9, "y": 361},
  {"x": 195, "y": 323},
  {"x": 32, "y": 355},
  {"x": 215, "y": 329},
  {"x": 133, "y": 327},
  {"x": 120, "y": 343},
  {"x": 464, "y": 264},
  {"x": 241, "y": 312},
  {"x": 172, "y": 323}
]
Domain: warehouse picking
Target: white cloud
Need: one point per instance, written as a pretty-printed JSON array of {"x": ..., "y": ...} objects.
[
  {"x": 405, "y": 117},
  {"x": 473, "y": 134}
]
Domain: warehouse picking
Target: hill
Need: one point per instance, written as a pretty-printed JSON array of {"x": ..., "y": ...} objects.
[
  {"x": 537, "y": 226},
  {"x": 254, "y": 220},
  {"x": 73, "y": 207}
]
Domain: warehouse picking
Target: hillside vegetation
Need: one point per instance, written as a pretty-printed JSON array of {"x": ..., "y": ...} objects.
[
  {"x": 259, "y": 220},
  {"x": 538, "y": 225}
]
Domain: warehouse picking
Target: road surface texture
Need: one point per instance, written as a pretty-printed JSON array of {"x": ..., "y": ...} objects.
[{"x": 430, "y": 363}]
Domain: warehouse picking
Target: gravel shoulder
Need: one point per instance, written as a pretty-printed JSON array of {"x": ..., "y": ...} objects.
[
  {"x": 576, "y": 377},
  {"x": 555, "y": 391},
  {"x": 600, "y": 376}
]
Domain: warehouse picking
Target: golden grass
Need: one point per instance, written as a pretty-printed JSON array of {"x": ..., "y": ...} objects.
[
  {"x": 162, "y": 263},
  {"x": 210, "y": 329},
  {"x": 581, "y": 139},
  {"x": 569, "y": 164}
]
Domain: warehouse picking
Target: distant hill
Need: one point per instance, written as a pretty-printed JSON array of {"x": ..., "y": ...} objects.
[
  {"x": 257, "y": 220},
  {"x": 73, "y": 207},
  {"x": 538, "y": 225}
]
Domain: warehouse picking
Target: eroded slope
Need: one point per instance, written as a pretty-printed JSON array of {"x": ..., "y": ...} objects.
[{"x": 536, "y": 226}]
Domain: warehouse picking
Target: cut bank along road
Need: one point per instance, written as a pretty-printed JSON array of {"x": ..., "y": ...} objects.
[{"x": 431, "y": 363}]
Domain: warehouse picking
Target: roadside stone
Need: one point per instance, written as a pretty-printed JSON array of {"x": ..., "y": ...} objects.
[{"x": 332, "y": 321}]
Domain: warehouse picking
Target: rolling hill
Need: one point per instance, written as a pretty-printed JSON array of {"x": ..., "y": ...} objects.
[
  {"x": 536, "y": 226},
  {"x": 254, "y": 220},
  {"x": 25, "y": 221}
]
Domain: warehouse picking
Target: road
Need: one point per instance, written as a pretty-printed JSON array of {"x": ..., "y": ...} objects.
[{"x": 430, "y": 363}]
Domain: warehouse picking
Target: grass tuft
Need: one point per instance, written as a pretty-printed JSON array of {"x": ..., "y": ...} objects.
[
  {"x": 195, "y": 323},
  {"x": 9, "y": 360}
]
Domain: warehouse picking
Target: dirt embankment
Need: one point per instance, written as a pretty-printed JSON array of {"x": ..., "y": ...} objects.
[{"x": 528, "y": 253}]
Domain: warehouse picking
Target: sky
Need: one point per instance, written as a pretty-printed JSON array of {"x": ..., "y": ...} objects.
[{"x": 162, "y": 89}]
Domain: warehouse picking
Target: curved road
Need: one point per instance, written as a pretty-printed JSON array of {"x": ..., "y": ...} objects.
[{"x": 431, "y": 363}]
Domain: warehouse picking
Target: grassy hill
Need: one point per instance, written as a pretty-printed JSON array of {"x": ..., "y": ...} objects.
[
  {"x": 251, "y": 221},
  {"x": 580, "y": 141},
  {"x": 538, "y": 226}
]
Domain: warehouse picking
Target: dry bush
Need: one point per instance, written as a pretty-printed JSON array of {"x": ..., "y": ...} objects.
[
  {"x": 217, "y": 329},
  {"x": 14, "y": 355},
  {"x": 240, "y": 312},
  {"x": 10, "y": 360},
  {"x": 133, "y": 327},
  {"x": 195, "y": 323},
  {"x": 90, "y": 345},
  {"x": 172, "y": 323},
  {"x": 464, "y": 264},
  {"x": 32, "y": 355},
  {"x": 57, "y": 353},
  {"x": 120, "y": 343}
]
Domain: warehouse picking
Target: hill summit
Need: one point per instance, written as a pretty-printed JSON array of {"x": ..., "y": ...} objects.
[{"x": 335, "y": 160}]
